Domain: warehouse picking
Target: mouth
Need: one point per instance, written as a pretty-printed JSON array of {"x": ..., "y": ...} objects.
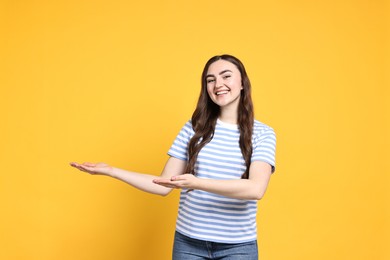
[{"x": 221, "y": 92}]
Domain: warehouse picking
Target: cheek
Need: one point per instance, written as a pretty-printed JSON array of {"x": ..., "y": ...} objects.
[{"x": 210, "y": 90}]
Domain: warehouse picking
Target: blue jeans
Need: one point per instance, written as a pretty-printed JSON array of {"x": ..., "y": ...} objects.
[{"x": 185, "y": 248}]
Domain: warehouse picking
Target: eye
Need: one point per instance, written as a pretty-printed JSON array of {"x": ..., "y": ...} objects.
[
  {"x": 226, "y": 76},
  {"x": 210, "y": 80}
]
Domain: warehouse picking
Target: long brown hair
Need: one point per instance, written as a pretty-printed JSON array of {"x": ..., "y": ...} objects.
[{"x": 206, "y": 114}]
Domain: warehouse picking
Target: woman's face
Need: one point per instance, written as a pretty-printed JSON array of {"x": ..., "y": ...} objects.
[{"x": 224, "y": 83}]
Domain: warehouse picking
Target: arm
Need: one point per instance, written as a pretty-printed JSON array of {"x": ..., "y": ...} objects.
[
  {"x": 140, "y": 181},
  {"x": 247, "y": 189}
]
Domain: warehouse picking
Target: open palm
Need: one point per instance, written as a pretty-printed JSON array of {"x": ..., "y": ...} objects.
[{"x": 93, "y": 168}]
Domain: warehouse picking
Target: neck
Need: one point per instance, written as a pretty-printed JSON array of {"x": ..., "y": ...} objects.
[{"x": 229, "y": 114}]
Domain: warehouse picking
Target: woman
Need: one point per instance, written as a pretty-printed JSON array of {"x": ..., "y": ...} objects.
[{"x": 222, "y": 161}]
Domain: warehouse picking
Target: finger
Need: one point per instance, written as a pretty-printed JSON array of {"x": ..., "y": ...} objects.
[
  {"x": 74, "y": 164},
  {"x": 88, "y": 169},
  {"x": 78, "y": 167},
  {"x": 171, "y": 186},
  {"x": 162, "y": 181},
  {"x": 164, "y": 184},
  {"x": 89, "y": 164},
  {"x": 81, "y": 167}
]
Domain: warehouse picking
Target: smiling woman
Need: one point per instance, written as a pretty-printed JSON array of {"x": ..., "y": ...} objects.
[
  {"x": 224, "y": 85},
  {"x": 222, "y": 160}
]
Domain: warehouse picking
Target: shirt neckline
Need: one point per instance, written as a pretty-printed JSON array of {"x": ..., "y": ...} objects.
[{"x": 228, "y": 125}]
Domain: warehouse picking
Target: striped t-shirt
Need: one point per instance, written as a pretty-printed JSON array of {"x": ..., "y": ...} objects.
[{"x": 211, "y": 217}]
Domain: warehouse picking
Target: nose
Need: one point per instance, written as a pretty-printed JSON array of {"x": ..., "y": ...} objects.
[{"x": 218, "y": 82}]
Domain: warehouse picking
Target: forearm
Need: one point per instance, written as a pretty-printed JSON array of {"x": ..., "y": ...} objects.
[
  {"x": 245, "y": 189},
  {"x": 239, "y": 189},
  {"x": 140, "y": 181},
  {"x": 143, "y": 182}
]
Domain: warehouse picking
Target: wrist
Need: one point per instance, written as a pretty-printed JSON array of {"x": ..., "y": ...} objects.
[
  {"x": 112, "y": 172},
  {"x": 198, "y": 184}
]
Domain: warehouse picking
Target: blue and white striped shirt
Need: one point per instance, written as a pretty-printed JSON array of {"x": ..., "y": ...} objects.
[{"x": 211, "y": 217}]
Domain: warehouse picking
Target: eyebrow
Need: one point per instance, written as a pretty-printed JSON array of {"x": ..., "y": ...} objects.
[{"x": 222, "y": 72}]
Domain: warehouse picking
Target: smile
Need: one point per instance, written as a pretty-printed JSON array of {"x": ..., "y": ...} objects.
[{"x": 221, "y": 92}]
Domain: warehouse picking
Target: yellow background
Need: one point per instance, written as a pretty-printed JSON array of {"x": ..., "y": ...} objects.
[{"x": 115, "y": 81}]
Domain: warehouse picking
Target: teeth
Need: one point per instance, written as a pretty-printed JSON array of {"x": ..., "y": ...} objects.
[{"x": 222, "y": 92}]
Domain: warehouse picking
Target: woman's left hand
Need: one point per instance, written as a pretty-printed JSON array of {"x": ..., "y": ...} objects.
[{"x": 186, "y": 181}]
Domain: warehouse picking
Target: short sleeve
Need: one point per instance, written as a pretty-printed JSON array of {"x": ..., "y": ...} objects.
[
  {"x": 179, "y": 148},
  {"x": 264, "y": 145}
]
